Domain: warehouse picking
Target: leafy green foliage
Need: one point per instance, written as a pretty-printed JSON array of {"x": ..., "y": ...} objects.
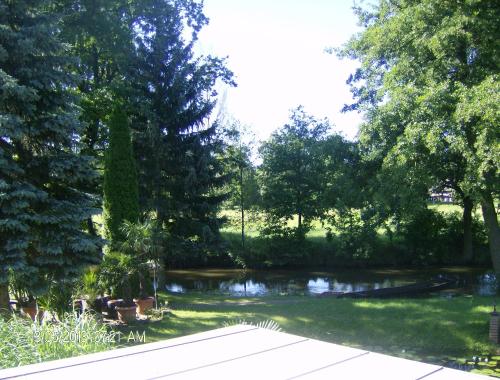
[
  {"x": 243, "y": 188},
  {"x": 59, "y": 296},
  {"x": 237, "y": 155},
  {"x": 145, "y": 243},
  {"x": 99, "y": 34},
  {"x": 88, "y": 284},
  {"x": 426, "y": 68},
  {"x": 293, "y": 173},
  {"x": 121, "y": 194},
  {"x": 115, "y": 275},
  {"x": 429, "y": 237}
]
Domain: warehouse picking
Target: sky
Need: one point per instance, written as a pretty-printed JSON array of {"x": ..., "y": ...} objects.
[{"x": 276, "y": 49}]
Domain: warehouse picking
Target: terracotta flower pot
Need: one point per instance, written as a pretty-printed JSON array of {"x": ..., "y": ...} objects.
[
  {"x": 144, "y": 304},
  {"x": 32, "y": 312},
  {"x": 126, "y": 314},
  {"x": 111, "y": 307},
  {"x": 100, "y": 304}
]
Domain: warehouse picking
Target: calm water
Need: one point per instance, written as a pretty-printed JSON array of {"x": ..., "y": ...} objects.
[{"x": 261, "y": 283}]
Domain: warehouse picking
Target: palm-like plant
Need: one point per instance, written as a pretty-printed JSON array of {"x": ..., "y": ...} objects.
[{"x": 144, "y": 241}]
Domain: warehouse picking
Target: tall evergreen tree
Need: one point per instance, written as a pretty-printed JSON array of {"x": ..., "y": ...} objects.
[
  {"x": 180, "y": 176},
  {"x": 42, "y": 206},
  {"x": 121, "y": 198}
]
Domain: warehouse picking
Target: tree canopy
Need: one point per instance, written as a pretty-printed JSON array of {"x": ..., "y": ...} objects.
[
  {"x": 429, "y": 84},
  {"x": 293, "y": 171}
]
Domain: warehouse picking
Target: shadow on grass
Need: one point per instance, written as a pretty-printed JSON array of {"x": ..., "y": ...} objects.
[{"x": 429, "y": 329}]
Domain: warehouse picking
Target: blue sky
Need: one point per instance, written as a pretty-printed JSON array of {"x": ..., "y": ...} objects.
[{"x": 276, "y": 50}]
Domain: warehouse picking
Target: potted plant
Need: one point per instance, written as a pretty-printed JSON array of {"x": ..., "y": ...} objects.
[
  {"x": 143, "y": 302},
  {"x": 88, "y": 291},
  {"x": 126, "y": 310},
  {"x": 123, "y": 271},
  {"x": 114, "y": 278},
  {"x": 143, "y": 242}
]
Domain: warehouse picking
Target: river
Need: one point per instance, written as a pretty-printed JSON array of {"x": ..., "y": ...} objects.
[{"x": 237, "y": 282}]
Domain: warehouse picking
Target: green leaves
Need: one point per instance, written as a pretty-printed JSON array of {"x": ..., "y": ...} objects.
[
  {"x": 293, "y": 171},
  {"x": 428, "y": 81}
]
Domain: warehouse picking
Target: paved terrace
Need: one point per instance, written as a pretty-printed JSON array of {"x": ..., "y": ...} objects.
[{"x": 236, "y": 352}]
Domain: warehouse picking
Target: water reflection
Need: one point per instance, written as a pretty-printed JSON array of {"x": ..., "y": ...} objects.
[
  {"x": 486, "y": 285},
  {"x": 175, "y": 288},
  {"x": 247, "y": 288},
  {"x": 259, "y": 283},
  {"x": 318, "y": 285}
]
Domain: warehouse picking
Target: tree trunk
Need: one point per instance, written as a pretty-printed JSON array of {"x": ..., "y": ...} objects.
[
  {"x": 468, "y": 253},
  {"x": 300, "y": 221},
  {"x": 491, "y": 222},
  {"x": 161, "y": 275},
  {"x": 90, "y": 226},
  {"x": 242, "y": 207},
  {"x": 4, "y": 298}
]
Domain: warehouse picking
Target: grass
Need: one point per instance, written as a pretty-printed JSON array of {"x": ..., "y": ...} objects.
[
  {"x": 254, "y": 220},
  {"x": 433, "y": 330}
]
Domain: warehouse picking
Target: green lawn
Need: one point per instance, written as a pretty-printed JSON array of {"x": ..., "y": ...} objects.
[{"x": 433, "y": 330}]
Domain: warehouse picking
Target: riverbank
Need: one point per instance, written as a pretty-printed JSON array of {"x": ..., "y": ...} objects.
[{"x": 434, "y": 330}]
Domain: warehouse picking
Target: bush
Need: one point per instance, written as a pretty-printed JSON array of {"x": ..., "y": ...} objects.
[
  {"x": 59, "y": 296},
  {"x": 356, "y": 235},
  {"x": 424, "y": 235},
  {"x": 117, "y": 276},
  {"x": 27, "y": 342},
  {"x": 433, "y": 238}
]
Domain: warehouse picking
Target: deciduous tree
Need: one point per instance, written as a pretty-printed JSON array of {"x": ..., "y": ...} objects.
[
  {"x": 429, "y": 81},
  {"x": 293, "y": 172}
]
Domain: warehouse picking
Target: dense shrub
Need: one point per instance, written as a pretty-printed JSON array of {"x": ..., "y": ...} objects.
[
  {"x": 432, "y": 238},
  {"x": 59, "y": 297},
  {"x": 356, "y": 237},
  {"x": 118, "y": 276},
  {"x": 423, "y": 236}
]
